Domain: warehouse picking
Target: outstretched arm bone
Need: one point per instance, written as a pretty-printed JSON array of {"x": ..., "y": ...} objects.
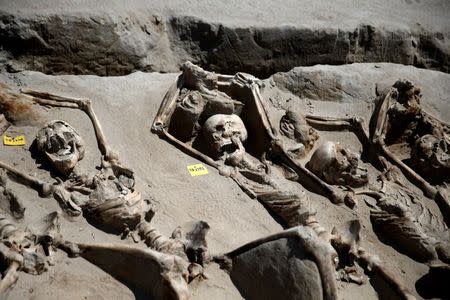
[
  {"x": 331, "y": 192},
  {"x": 355, "y": 124},
  {"x": 427, "y": 188},
  {"x": 190, "y": 150},
  {"x": 83, "y": 104},
  {"x": 30, "y": 181},
  {"x": 167, "y": 106},
  {"x": 263, "y": 112},
  {"x": 311, "y": 244},
  {"x": 381, "y": 124}
]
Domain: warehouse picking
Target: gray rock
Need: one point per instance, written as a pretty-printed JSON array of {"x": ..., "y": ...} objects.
[{"x": 277, "y": 270}]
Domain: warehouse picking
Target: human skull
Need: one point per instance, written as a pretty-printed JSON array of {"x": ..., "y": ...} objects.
[
  {"x": 218, "y": 132},
  {"x": 61, "y": 144},
  {"x": 431, "y": 156},
  {"x": 337, "y": 165},
  {"x": 408, "y": 96},
  {"x": 294, "y": 127}
]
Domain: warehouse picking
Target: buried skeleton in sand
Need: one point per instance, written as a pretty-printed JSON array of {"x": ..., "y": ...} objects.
[
  {"x": 121, "y": 180},
  {"x": 212, "y": 116},
  {"x": 109, "y": 198},
  {"x": 224, "y": 138}
]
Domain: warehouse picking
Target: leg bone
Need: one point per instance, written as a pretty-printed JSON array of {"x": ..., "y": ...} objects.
[{"x": 161, "y": 276}]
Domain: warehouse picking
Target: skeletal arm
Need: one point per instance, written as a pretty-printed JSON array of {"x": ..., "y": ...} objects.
[
  {"x": 309, "y": 178},
  {"x": 59, "y": 190},
  {"x": 378, "y": 140},
  {"x": 355, "y": 124},
  {"x": 167, "y": 106},
  {"x": 30, "y": 181},
  {"x": 85, "y": 105}
]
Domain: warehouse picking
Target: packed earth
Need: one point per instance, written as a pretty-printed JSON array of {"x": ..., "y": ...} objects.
[{"x": 211, "y": 150}]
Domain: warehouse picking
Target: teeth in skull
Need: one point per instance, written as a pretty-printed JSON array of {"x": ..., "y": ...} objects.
[
  {"x": 222, "y": 131},
  {"x": 61, "y": 144}
]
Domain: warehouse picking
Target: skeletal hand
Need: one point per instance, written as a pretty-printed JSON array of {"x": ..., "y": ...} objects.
[{"x": 236, "y": 139}]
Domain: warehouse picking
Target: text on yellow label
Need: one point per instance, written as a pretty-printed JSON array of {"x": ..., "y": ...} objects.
[
  {"x": 14, "y": 141},
  {"x": 197, "y": 169}
]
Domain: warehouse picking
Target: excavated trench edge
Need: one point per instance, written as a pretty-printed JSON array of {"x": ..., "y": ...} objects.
[{"x": 107, "y": 46}]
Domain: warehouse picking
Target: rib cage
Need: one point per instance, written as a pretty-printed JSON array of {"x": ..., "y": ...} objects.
[
  {"x": 409, "y": 223},
  {"x": 293, "y": 208}
]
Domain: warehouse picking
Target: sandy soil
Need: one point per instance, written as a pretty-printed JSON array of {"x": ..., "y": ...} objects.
[
  {"x": 430, "y": 14},
  {"x": 126, "y": 107}
]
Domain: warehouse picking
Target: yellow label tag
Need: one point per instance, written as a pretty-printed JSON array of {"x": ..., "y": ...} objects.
[
  {"x": 16, "y": 141},
  {"x": 197, "y": 169}
]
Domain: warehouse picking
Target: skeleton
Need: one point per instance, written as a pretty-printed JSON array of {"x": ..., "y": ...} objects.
[
  {"x": 159, "y": 274},
  {"x": 216, "y": 134},
  {"x": 330, "y": 161},
  {"x": 225, "y": 135},
  {"x": 406, "y": 221},
  {"x": 298, "y": 264},
  {"x": 109, "y": 198},
  {"x": 399, "y": 213},
  {"x": 162, "y": 273},
  {"x": 218, "y": 139},
  {"x": 399, "y": 119},
  {"x": 25, "y": 250}
]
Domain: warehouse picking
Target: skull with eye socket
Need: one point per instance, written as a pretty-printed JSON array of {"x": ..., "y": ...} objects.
[
  {"x": 61, "y": 145},
  {"x": 430, "y": 155},
  {"x": 224, "y": 133},
  {"x": 294, "y": 127},
  {"x": 337, "y": 165},
  {"x": 408, "y": 96}
]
